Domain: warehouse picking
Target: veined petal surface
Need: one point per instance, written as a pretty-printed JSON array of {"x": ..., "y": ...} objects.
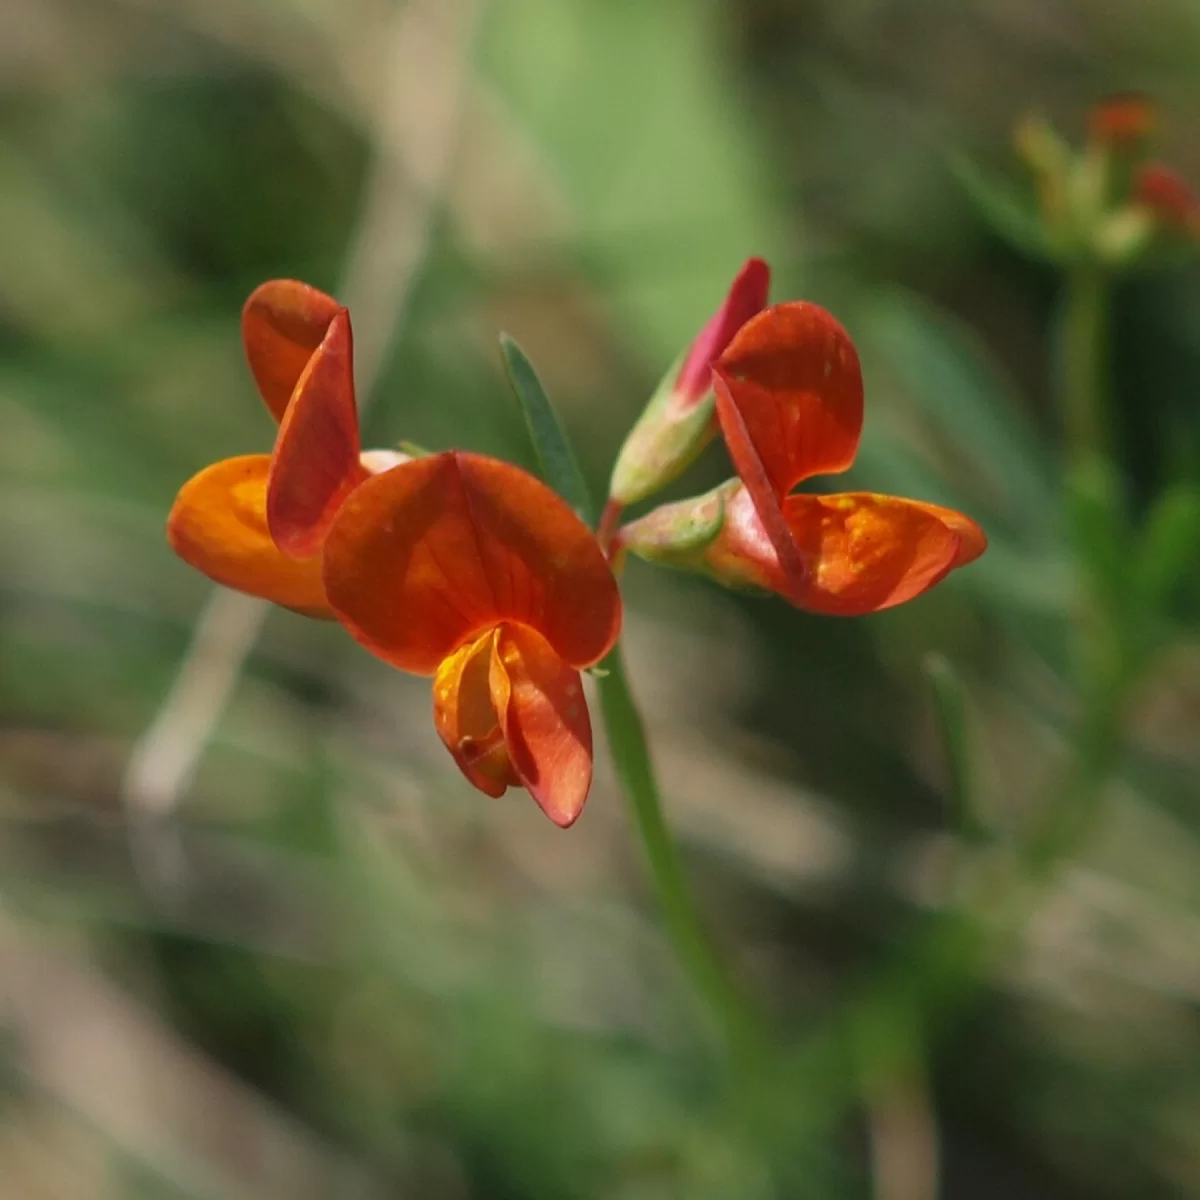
[
  {"x": 283, "y": 322},
  {"x": 218, "y": 525},
  {"x": 548, "y": 733},
  {"x": 433, "y": 552},
  {"x": 315, "y": 464},
  {"x": 862, "y": 552},
  {"x": 790, "y": 399}
]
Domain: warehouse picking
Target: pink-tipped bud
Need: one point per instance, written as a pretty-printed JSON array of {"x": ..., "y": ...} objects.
[
  {"x": 747, "y": 296},
  {"x": 1169, "y": 199},
  {"x": 1124, "y": 121},
  {"x": 679, "y": 420}
]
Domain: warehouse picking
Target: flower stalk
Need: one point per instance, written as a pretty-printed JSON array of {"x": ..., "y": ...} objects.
[
  {"x": 635, "y": 769},
  {"x": 1083, "y": 361},
  {"x": 630, "y": 748}
]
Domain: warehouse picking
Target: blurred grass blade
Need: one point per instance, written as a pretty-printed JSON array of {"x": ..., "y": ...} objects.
[
  {"x": 951, "y": 380},
  {"x": 1100, "y": 532},
  {"x": 1002, "y": 209},
  {"x": 559, "y": 466},
  {"x": 1170, "y": 546},
  {"x": 709, "y": 973},
  {"x": 949, "y": 704}
]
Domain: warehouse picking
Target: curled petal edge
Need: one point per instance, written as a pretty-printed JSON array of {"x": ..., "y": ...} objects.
[{"x": 218, "y": 525}]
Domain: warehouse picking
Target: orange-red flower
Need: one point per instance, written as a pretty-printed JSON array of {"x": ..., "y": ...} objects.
[
  {"x": 471, "y": 570},
  {"x": 790, "y": 403},
  {"x": 256, "y": 522},
  {"x": 1168, "y": 197},
  {"x": 1123, "y": 121}
]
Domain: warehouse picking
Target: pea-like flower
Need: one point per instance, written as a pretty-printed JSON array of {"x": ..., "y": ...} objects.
[
  {"x": 256, "y": 522},
  {"x": 1106, "y": 202},
  {"x": 789, "y": 398},
  {"x": 471, "y": 570}
]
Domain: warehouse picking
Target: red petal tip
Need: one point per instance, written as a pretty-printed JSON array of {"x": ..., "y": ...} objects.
[
  {"x": 316, "y": 463},
  {"x": 283, "y": 322},
  {"x": 747, "y": 295}
]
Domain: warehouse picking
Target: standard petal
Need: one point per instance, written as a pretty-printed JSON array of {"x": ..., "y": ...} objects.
[
  {"x": 466, "y": 719},
  {"x": 862, "y": 552},
  {"x": 218, "y": 524},
  {"x": 789, "y": 397},
  {"x": 431, "y": 553},
  {"x": 542, "y": 710},
  {"x": 315, "y": 465},
  {"x": 283, "y": 322}
]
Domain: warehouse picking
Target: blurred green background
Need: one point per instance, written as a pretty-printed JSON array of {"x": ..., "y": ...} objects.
[{"x": 333, "y": 970}]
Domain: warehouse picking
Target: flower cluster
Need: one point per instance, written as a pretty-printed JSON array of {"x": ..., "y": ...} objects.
[
  {"x": 453, "y": 565},
  {"x": 470, "y": 570},
  {"x": 787, "y": 393},
  {"x": 1107, "y": 200}
]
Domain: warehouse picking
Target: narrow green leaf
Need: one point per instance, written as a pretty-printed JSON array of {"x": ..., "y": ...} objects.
[
  {"x": 950, "y": 706},
  {"x": 951, "y": 380},
  {"x": 1169, "y": 545},
  {"x": 1100, "y": 532},
  {"x": 1003, "y": 210},
  {"x": 559, "y": 467}
]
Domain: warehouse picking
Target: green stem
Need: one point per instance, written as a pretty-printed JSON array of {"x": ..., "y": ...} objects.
[
  {"x": 1104, "y": 670},
  {"x": 941, "y": 968},
  {"x": 1083, "y": 361},
  {"x": 1072, "y": 804},
  {"x": 631, "y": 755}
]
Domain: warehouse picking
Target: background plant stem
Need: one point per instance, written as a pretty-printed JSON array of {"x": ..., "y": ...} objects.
[
  {"x": 1083, "y": 361},
  {"x": 1103, "y": 671}
]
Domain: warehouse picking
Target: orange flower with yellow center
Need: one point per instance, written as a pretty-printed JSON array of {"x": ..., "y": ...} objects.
[
  {"x": 471, "y": 570},
  {"x": 256, "y": 522}
]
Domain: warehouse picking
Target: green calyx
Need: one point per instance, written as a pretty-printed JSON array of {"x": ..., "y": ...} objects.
[
  {"x": 665, "y": 441},
  {"x": 679, "y": 534}
]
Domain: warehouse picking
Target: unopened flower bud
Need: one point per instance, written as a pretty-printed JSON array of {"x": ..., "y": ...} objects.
[
  {"x": 679, "y": 421},
  {"x": 1123, "y": 237},
  {"x": 1039, "y": 146},
  {"x": 1122, "y": 122},
  {"x": 1168, "y": 198},
  {"x": 1050, "y": 162}
]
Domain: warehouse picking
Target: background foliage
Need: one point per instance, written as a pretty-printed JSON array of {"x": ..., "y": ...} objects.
[{"x": 360, "y": 979}]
